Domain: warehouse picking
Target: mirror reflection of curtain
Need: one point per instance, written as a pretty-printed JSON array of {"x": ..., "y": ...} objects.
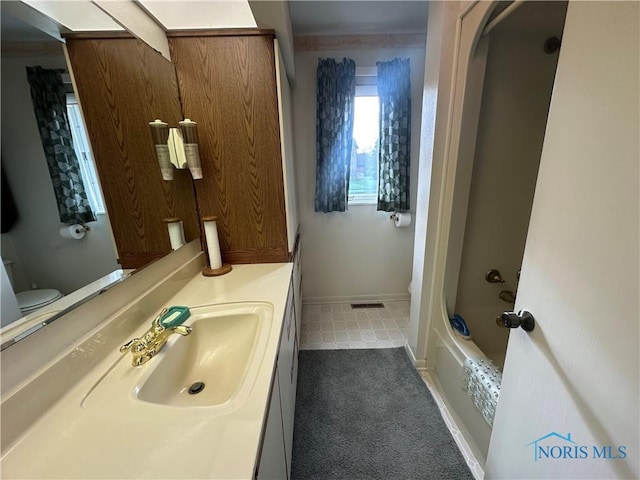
[
  {"x": 394, "y": 91},
  {"x": 7, "y": 204},
  {"x": 49, "y": 103},
  {"x": 336, "y": 92}
]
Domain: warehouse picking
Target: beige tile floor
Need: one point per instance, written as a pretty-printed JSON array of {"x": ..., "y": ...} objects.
[{"x": 338, "y": 326}]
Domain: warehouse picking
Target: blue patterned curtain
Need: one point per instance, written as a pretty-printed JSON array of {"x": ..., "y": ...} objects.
[
  {"x": 334, "y": 132},
  {"x": 394, "y": 91},
  {"x": 50, "y": 105}
]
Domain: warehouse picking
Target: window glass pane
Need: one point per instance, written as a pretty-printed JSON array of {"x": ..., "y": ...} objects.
[
  {"x": 364, "y": 160},
  {"x": 83, "y": 152}
]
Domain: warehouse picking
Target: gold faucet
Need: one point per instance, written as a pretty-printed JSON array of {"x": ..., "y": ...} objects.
[{"x": 145, "y": 348}]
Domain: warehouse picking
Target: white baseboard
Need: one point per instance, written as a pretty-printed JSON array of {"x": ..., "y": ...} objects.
[
  {"x": 412, "y": 357},
  {"x": 391, "y": 297},
  {"x": 419, "y": 364}
]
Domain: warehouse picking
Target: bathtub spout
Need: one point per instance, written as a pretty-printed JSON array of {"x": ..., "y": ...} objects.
[{"x": 507, "y": 296}]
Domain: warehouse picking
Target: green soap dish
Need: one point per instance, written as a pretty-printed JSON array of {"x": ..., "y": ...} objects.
[{"x": 175, "y": 316}]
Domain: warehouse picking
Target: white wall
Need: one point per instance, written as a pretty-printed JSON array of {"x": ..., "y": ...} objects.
[
  {"x": 10, "y": 311},
  {"x": 577, "y": 372},
  {"x": 39, "y": 253},
  {"x": 275, "y": 15},
  {"x": 358, "y": 254},
  {"x": 515, "y": 102}
]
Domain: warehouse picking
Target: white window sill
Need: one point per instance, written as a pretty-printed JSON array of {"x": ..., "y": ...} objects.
[{"x": 362, "y": 199}]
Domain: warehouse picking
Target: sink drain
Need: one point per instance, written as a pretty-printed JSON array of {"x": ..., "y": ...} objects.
[{"x": 196, "y": 388}]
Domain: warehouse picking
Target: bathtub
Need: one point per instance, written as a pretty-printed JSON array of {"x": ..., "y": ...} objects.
[{"x": 447, "y": 369}]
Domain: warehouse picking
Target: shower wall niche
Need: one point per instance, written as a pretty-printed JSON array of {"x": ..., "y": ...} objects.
[{"x": 515, "y": 104}]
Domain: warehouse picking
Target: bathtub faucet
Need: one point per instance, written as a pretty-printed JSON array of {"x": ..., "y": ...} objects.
[{"x": 493, "y": 276}]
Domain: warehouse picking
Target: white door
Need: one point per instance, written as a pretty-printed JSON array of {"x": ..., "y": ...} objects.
[{"x": 569, "y": 402}]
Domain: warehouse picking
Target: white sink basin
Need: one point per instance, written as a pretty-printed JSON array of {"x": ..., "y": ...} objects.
[
  {"x": 217, "y": 353},
  {"x": 224, "y": 352}
]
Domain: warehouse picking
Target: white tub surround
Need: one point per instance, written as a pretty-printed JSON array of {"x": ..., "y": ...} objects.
[
  {"x": 127, "y": 438},
  {"x": 447, "y": 371}
]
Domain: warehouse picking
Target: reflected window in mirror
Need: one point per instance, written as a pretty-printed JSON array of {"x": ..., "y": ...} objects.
[{"x": 83, "y": 153}]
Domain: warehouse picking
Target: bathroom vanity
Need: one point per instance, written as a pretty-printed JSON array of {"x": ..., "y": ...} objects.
[
  {"x": 73, "y": 406},
  {"x": 110, "y": 419}
]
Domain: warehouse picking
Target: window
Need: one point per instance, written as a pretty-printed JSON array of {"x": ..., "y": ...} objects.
[
  {"x": 85, "y": 159},
  {"x": 363, "y": 177}
]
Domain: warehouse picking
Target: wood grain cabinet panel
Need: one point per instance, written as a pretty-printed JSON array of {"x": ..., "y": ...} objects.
[
  {"x": 227, "y": 85},
  {"x": 123, "y": 85}
]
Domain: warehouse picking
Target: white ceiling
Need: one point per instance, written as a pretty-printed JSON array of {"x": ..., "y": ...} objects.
[
  {"x": 15, "y": 30},
  {"x": 76, "y": 15},
  {"x": 308, "y": 17},
  {"x": 185, "y": 14},
  {"x": 42, "y": 21},
  {"x": 349, "y": 17}
]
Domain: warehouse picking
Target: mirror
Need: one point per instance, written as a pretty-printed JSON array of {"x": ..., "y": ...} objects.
[{"x": 38, "y": 253}]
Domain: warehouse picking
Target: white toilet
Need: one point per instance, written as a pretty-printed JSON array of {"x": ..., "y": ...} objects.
[{"x": 32, "y": 300}]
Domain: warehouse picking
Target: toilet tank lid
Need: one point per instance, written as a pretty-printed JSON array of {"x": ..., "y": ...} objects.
[{"x": 32, "y": 298}]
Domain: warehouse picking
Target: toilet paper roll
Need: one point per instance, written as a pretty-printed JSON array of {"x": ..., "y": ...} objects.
[
  {"x": 176, "y": 232},
  {"x": 213, "y": 244},
  {"x": 72, "y": 232},
  {"x": 403, "y": 219}
]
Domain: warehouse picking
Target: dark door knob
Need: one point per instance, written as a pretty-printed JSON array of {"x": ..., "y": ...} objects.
[{"x": 522, "y": 319}]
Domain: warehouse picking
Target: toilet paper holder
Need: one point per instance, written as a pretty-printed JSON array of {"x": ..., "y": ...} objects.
[
  {"x": 83, "y": 228},
  {"x": 74, "y": 232},
  {"x": 395, "y": 214},
  {"x": 401, "y": 219}
]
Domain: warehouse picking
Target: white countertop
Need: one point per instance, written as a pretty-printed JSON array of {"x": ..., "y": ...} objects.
[
  {"x": 160, "y": 441},
  {"x": 34, "y": 320}
]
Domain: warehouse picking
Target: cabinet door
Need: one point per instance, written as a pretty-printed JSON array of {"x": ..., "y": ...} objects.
[
  {"x": 297, "y": 290},
  {"x": 272, "y": 464},
  {"x": 122, "y": 85},
  {"x": 294, "y": 373},
  {"x": 228, "y": 86},
  {"x": 285, "y": 367}
]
